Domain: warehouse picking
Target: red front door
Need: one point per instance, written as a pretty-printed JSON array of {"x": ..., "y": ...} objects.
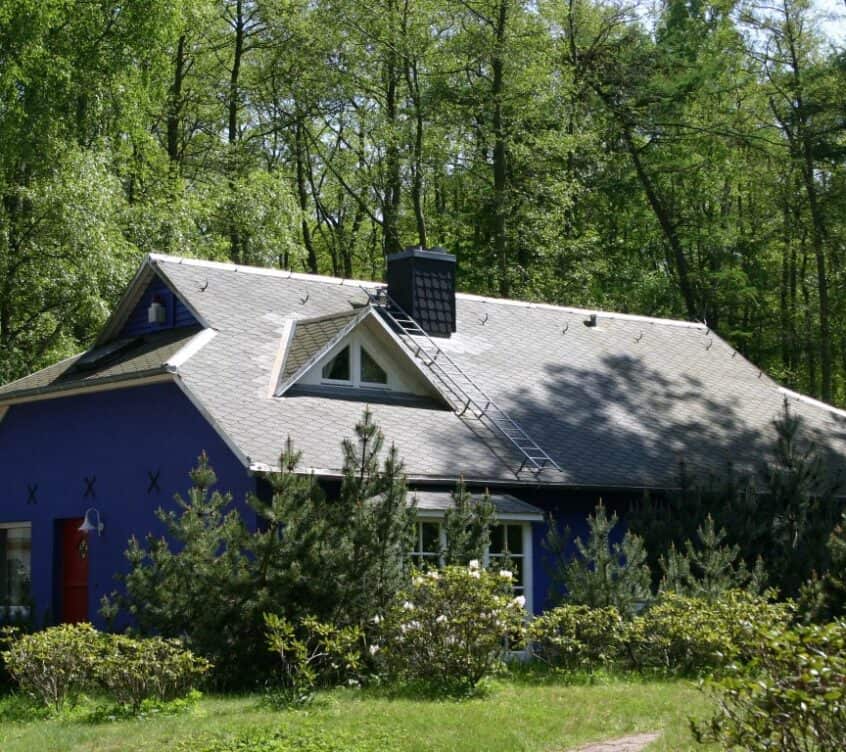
[{"x": 74, "y": 571}]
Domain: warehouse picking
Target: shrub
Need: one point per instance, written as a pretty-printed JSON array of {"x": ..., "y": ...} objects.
[
  {"x": 314, "y": 652},
  {"x": 450, "y": 628},
  {"x": 685, "y": 635},
  {"x": 605, "y": 573},
  {"x": 211, "y": 578},
  {"x": 791, "y": 697},
  {"x": 577, "y": 637},
  {"x": 153, "y": 668},
  {"x": 54, "y": 665}
]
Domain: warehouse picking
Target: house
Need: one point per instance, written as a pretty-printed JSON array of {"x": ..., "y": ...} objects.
[{"x": 548, "y": 407}]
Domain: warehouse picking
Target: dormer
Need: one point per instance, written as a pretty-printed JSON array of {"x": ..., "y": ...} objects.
[{"x": 353, "y": 353}]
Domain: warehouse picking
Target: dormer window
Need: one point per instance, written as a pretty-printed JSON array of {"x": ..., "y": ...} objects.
[
  {"x": 354, "y": 366},
  {"x": 338, "y": 369},
  {"x": 371, "y": 371}
]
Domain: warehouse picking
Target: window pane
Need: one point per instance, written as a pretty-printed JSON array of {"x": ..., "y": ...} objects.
[
  {"x": 15, "y": 546},
  {"x": 497, "y": 539},
  {"x": 430, "y": 537},
  {"x": 515, "y": 539},
  {"x": 371, "y": 371},
  {"x": 338, "y": 368}
]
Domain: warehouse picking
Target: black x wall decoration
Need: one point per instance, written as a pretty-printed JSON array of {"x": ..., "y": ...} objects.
[
  {"x": 32, "y": 489},
  {"x": 154, "y": 481},
  {"x": 89, "y": 487}
]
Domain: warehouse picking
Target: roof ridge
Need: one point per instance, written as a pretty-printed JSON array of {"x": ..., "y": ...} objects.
[
  {"x": 326, "y": 316},
  {"x": 263, "y": 271},
  {"x": 798, "y": 396},
  {"x": 586, "y": 311},
  {"x": 324, "y": 279}
]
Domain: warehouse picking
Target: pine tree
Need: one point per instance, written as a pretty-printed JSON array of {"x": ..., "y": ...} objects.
[
  {"x": 706, "y": 569},
  {"x": 467, "y": 526},
  {"x": 373, "y": 508},
  {"x": 605, "y": 573}
]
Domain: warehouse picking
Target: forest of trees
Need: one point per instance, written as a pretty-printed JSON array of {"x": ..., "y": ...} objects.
[{"x": 685, "y": 158}]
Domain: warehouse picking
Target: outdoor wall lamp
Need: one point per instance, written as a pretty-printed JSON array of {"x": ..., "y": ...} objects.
[{"x": 87, "y": 526}]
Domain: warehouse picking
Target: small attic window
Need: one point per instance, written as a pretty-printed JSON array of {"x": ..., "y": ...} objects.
[
  {"x": 338, "y": 369},
  {"x": 371, "y": 371}
]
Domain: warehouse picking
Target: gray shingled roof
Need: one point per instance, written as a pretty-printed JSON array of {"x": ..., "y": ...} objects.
[
  {"x": 144, "y": 356},
  {"x": 504, "y": 504},
  {"x": 616, "y": 405},
  {"x": 310, "y": 336}
]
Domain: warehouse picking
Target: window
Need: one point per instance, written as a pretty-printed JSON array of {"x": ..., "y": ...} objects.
[
  {"x": 15, "y": 563},
  {"x": 355, "y": 366},
  {"x": 371, "y": 371},
  {"x": 427, "y": 545},
  {"x": 338, "y": 369},
  {"x": 507, "y": 551}
]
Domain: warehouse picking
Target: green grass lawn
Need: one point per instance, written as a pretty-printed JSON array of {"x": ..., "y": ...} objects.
[{"x": 512, "y": 715}]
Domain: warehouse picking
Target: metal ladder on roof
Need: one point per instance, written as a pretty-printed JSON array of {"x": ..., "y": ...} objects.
[{"x": 465, "y": 396}]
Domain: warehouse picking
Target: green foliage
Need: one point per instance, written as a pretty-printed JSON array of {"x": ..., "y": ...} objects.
[
  {"x": 708, "y": 569},
  {"x": 450, "y": 628},
  {"x": 777, "y": 522},
  {"x": 211, "y": 580},
  {"x": 608, "y": 574},
  {"x": 790, "y": 697},
  {"x": 690, "y": 636},
  {"x": 55, "y": 665},
  {"x": 58, "y": 663},
  {"x": 467, "y": 525},
  {"x": 311, "y": 653},
  {"x": 574, "y": 637},
  {"x": 824, "y": 597},
  {"x": 134, "y": 670},
  {"x": 374, "y": 523}
]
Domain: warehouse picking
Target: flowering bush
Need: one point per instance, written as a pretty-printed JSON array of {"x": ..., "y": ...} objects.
[
  {"x": 574, "y": 636},
  {"x": 451, "y": 627}
]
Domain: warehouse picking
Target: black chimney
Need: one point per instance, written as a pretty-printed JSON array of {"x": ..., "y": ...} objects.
[{"x": 423, "y": 283}]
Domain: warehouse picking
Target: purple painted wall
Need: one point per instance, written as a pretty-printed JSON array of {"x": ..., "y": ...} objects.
[
  {"x": 118, "y": 436},
  {"x": 177, "y": 313}
]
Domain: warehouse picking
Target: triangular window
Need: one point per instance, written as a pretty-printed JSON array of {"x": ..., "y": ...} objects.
[
  {"x": 371, "y": 371},
  {"x": 338, "y": 369}
]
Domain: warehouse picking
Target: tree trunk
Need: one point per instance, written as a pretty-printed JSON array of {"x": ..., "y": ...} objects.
[
  {"x": 500, "y": 151},
  {"x": 302, "y": 190},
  {"x": 174, "y": 109},
  {"x": 667, "y": 226}
]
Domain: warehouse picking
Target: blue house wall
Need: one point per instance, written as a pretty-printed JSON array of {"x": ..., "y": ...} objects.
[
  {"x": 178, "y": 314},
  {"x": 119, "y": 437}
]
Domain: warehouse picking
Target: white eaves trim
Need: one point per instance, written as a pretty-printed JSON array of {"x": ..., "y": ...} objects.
[
  {"x": 201, "y": 408},
  {"x": 811, "y": 401},
  {"x": 438, "y": 514},
  {"x": 190, "y": 348},
  {"x": 281, "y": 355}
]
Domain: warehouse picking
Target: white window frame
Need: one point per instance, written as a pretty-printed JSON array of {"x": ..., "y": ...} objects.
[
  {"x": 527, "y": 557},
  {"x": 437, "y": 557},
  {"x": 355, "y": 345},
  {"x": 18, "y": 608}
]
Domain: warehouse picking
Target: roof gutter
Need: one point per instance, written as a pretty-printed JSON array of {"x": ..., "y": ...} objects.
[{"x": 108, "y": 383}]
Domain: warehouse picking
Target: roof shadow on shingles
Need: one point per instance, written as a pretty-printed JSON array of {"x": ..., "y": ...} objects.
[
  {"x": 311, "y": 336},
  {"x": 629, "y": 423},
  {"x": 148, "y": 355}
]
